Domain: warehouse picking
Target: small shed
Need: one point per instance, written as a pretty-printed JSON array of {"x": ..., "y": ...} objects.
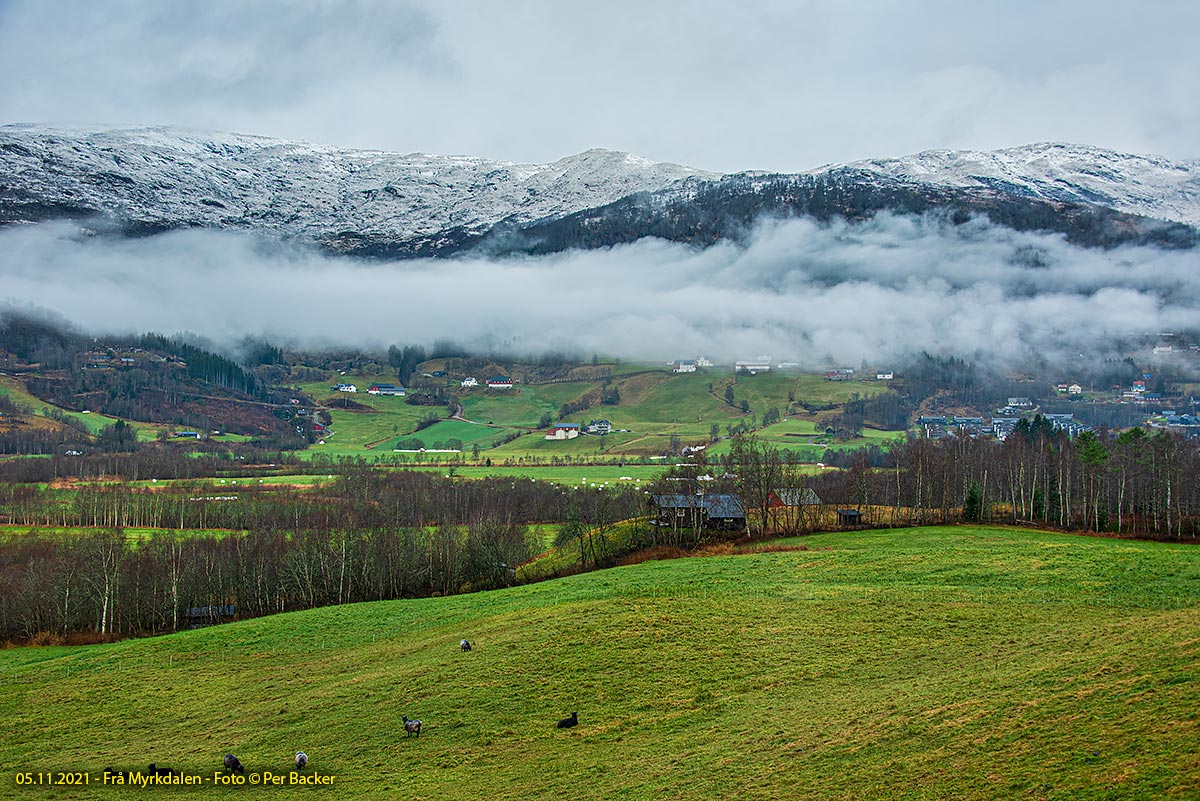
[
  {"x": 849, "y": 517},
  {"x": 200, "y": 616}
]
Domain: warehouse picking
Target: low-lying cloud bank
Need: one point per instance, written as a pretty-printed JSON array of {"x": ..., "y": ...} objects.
[{"x": 816, "y": 294}]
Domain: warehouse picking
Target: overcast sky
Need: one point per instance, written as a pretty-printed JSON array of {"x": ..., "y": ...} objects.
[{"x": 718, "y": 85}]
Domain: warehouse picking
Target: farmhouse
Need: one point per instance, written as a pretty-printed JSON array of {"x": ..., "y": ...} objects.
[
  {"x": 564, "y": 431},
  {"x": 500, "y": 382},
  {"x": 469, "y": 381},
  {"x": 344, "y": 388},
  {"x": 386, "y": 389},
  {"x": 753, "y": 366},
  {"x": 719, "y": 510},
  {"x": 684, "y": 366},
  {"x": 598, "y": 427},
  {"x": 884, "y": 375},
  {"x": 1020, "y": 403},
  {"x": 1075, "y": 389}
]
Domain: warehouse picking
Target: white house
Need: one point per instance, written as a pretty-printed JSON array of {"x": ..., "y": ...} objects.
[
  {"x": 345, "y": 388},
  {"x": 564, "y": 431},
  {"x": 684, "y": 365},
  {"x": 469, "y": 382},
  {"x": 1075, "y": 389},
  {"x": 884, "y": 376},
  {"x": 704, "y": 361},
  {"x": 598, "y": 427}
]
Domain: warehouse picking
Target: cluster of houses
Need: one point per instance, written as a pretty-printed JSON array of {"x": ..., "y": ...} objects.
[
  {"x": 1186, "y": 424},
  {"x": 100, "y": 359},
  {"x": 847, "y": 374},
  {"x": 999, "y": 426},
  {"x": 562, "y": 431},
  {"x": 689, "y": 365},
  {"x": 495, "y": 382},
  {"x": 374, "y": 389}
]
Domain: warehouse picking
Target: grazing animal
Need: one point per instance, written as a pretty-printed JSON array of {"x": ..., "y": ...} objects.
[
  {"x": 412, "y": 726},
  {"x": 567, "y": 723},
  {"x": 465, "y": 645},
  {"x": 233, "y": 764},
  {"x": 155, "y": 770},
  {"x": 301, "y": 760}
]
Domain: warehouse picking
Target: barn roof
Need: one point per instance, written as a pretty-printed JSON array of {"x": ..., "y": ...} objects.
[{"x": 796, "y": 496}]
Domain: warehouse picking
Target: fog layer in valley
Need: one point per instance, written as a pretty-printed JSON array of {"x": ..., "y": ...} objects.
[{"x": 820, "y": 295}]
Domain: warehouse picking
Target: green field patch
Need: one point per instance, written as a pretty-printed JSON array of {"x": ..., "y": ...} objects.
[
  {"x": 964, "y": 663},
  {"x": 571, "y": 475},
  {"x": 92, "y": 422},
  {"x": 467, "y": 433},
  {"x": 132, "y": 534}
]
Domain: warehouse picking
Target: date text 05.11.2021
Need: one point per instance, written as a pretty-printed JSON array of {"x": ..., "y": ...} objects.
[{"x": 54, "y": 778}]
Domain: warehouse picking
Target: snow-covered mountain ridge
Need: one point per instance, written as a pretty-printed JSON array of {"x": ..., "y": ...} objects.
[
  {"x": 145, "y": 180},
  {"x": 169, "y": 178},
  {"x": 1144, "y": 185}
]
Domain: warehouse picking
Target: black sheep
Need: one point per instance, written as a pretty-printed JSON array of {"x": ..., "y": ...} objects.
[
  {"x": 567, "y": 723},
  {"x": 465, "y": 645},
  {"x": 233, "y": 764},
  {"x": 301, "y": 760},
  {"x": 412, "y": 726},
  {"x": 154, "y": 770}
]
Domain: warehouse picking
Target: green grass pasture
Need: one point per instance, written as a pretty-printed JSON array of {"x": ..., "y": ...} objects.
[{"x": 965, "y": 663}]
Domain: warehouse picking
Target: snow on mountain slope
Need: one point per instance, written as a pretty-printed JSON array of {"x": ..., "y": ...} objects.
[
  {"x": 1145, "y": 185},
  {"x": 375, "y": 203},
  {"x": 171, "y": 177}
]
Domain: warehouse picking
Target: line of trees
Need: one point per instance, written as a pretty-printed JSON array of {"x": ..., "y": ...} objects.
[
  {"x": 1133, "y": 484},
  {"x": 357, "y": 499},
  {"x": 53, "y": 586}
]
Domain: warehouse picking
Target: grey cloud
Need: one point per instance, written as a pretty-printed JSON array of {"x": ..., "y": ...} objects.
[
  {"x": 820, "y": 295},
  {"x": 779, "y": 85}
]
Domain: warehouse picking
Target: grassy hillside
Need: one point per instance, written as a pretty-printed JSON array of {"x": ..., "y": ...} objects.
[
  {"x": 654, "y": 405},
  {"x": 974, "y": 663}
]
